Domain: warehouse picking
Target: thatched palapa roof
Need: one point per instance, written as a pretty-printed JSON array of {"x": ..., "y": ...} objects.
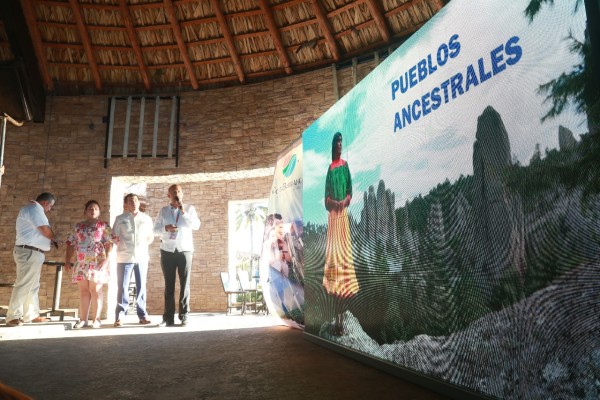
[{"x": 151, "y": 46}]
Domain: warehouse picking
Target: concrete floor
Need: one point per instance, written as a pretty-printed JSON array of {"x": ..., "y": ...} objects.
[{"x": 215, "y": 357}]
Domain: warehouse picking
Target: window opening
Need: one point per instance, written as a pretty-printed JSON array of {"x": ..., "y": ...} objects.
[{"x": 154, "y": 119}]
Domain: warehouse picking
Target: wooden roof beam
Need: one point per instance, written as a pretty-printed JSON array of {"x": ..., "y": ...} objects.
[
  {"x": 285, "y": 59},
  {"x": 170, "y": 10},
  {"x": 379, "y": 20},
  {"x": 36, "y": 39},
  {"x": 216, "y": 5},
  {"x": 87, "y": 44},
  {"x": 326, "y": 29},
  {"x": 438, "y": 4},
  {"x": 344, "y": 8},
  {"x": 66, "y": 25},
  {"x": 287, "y": 4},
  {"x": 296, "y": 25},
  {"x": 402, "y": 7},
  {"x": 135, "y": 43}
]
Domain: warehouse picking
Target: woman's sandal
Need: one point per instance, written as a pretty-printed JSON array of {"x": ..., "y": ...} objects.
[{"x": 80, "y": 324}]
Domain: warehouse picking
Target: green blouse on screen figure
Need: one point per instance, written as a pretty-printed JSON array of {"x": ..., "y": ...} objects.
[{"x": 338, "y": 183}]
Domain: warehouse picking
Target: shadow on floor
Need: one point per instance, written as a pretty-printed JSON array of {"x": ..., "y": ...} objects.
[{"x": 215, "y": 357}]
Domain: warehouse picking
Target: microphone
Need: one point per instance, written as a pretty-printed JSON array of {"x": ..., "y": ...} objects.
[{"x": 176, "y": 198}]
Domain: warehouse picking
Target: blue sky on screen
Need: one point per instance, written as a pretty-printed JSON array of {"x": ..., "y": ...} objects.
[{"x": 439, "y": 146}]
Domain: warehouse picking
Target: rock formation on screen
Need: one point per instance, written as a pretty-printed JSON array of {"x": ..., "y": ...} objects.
[{"x": 498, "y": 231}]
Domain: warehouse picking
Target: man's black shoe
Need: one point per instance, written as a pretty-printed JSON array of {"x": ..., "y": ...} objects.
[{"x": 166, "y": 323}]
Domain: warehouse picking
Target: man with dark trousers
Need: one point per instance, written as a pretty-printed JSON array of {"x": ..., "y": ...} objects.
[{"x": 174, "y": 224}]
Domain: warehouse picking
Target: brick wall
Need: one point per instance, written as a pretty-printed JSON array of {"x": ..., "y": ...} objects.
[{"x": 223, "y": 130}]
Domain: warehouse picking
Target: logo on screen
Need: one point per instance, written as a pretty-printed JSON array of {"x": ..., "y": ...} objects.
[{"x": 289, "y": 166}]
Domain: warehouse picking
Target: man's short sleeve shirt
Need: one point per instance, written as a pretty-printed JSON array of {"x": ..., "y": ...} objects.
[{"x": 29, "y": 219}]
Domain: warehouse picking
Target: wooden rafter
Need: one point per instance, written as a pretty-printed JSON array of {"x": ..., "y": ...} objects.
[
  {"x": 438, "y": 4},
  {"x": 144, "y": 6},
  {"x": 287, "y": 4},
  {"x": 326, "y": 29},
  {"x": 216, "y": 5},
  {"x": 265, "y": 53},
  {"x": 50, "y": 3},
  {"x": 301, "y": 24},
  {"x": 379, "y": 20},
  {"x": 285, "y": 59},
  {"x": 161, "y": 47},
  {"x": 36, "y": 38},
  {"x": 199, "y": 21},
  {"x": 403, "y": 7},
  {"x": 68, "y": 25},
  {"x": 352, "y": 30},
  {"x": 135, "y": 43},
  {"x": 305, "y": 67},
  {"x": 245, "y": 14},
  {"x": 87, "y": 44},
  {"x": 211, "y": 43},
  {"x": 157, "y": 27},
  {"x": 170, "y": 10},
  {"x": 344, "y": 8},
  {"x": 251, "y": 35}
]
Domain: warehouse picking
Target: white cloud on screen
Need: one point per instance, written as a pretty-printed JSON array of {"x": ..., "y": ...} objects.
[
  {"x": 317, "y": 167},
  {"x": 440, "y": 146},
  {"x": 444, "y": 139}
]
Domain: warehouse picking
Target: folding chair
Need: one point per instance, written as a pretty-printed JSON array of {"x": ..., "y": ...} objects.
[
  {"x": 248, "y": 287},
  {"x": 232, "y": 288}
]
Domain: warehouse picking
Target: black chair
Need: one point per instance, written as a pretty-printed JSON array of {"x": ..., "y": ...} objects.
[{"x": 233, "y": 291}]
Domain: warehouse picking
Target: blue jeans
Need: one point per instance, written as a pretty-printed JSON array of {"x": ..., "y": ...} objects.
[{"x": 124, "y": 271}]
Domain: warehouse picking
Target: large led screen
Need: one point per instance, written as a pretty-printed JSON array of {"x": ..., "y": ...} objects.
[{"x": 451, "y": 205}]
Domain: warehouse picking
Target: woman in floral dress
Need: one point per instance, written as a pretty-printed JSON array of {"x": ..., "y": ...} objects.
[
  {"x": 339, "y": 277},
  {"x": 91, "y": 242}
]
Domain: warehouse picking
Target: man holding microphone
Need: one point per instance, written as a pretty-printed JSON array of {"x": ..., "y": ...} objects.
[{"x": 174, "y": 224}]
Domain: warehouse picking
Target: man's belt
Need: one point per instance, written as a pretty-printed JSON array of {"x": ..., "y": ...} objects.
[{"x": 24, "y": 246}]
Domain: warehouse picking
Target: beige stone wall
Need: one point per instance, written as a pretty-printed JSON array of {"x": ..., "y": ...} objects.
[{"x": 233, "y": 129}]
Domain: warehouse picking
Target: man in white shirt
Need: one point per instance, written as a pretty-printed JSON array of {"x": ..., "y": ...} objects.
[
  {"x": 174, "y": 224},
  {"x": 133, "y": 234},
  {"x": 34, "y": 237}
]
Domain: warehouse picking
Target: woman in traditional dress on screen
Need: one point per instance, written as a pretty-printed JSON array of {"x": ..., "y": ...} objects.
[{"x": 339, "y": 277}]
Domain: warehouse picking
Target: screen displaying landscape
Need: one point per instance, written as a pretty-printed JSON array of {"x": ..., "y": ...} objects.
[{"x": 451, "y": 205}]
